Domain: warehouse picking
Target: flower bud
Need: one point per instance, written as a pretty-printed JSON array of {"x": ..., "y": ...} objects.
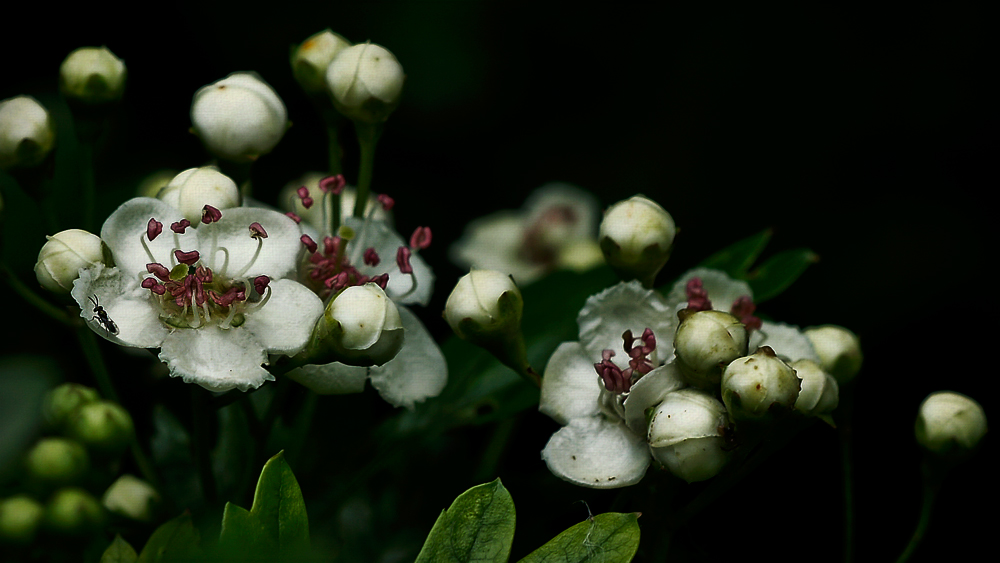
[
  {"x": 62, "y": 257},
  {"x": 55, "y": 462},
  {"x": 819, "y": 393},
  {"x": 685, "y": 434},
  {"x": 151, "y": 185},
  {"x": 482, "y": 304},
  {"x": 366, "y": 81},
  {"x": 365, "y": 326},
  {"x": 239, "y": 118},
  {"x": 20, "y": 517},
  {"x": 311, "y": 59},
  {"x": 706, "y": 341},
  {"x": 950, "y": 424},
  {"x": 131, "y": 497},
  {"x": 755, "y": 384},
  {"x": 73, "y": 511},
  {"x": 27, "y": 133},
  {"x": 839, "y": 350},
  {"x": 103, "y": 426},
  {"x": 92, "y": 75},
  {"x": 191, "y": 190},
  {"x": 61, "y": 403},
  {"x": 636, "y": 236}
]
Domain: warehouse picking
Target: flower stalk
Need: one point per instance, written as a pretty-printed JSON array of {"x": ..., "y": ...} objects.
[{"x": 368, "y": 134}]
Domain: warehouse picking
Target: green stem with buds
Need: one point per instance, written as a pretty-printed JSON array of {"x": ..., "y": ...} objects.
[
  {"x": 368, "y": 135},
  {"x": 36, "y": 300},
  {"x": 932, "y": 479}
]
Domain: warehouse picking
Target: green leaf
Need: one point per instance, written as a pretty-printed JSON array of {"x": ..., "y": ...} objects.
[
  {"x": 737, "y": 258},
  {"x": 478, "y": 526},
  {"x": 606, "y": 538},
  {"x": 276, "y": 525},
  {"x": 119, "y": 552},
  {"x": 175, "y": 540},
  {"x": 779, "y": 272}
]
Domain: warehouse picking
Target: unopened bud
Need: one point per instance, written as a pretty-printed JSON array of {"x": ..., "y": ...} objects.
[
  {"x": 636, "y": 237},
  {"x": 103, "y": 426},
  {"x": 191, "y": 190},
  {"x": 239, "y": 118},
  {"x": 950, "y": 424},
  {"x": 706, "y": 341},
  {"x": 311, "y": 59},
  {"x": 61, "y": 403},
  {"x": 819, "y": 393},
  {"x": 62, "y": 257},
  {"x": 365, "y": 328},
  {"x": 131, "y": 497},
  {"x": 754, "y": 385},
  {"x": 27, "y": 133},
  {"x": 73, "y": 511},
  {"x": 366, "y": 81},
  {"x": 839, "y": 350},
  {"x": 55, "y": 462},
  {"x": 92, "y": 75},
  {"x": 20, "y": 517},
  {"x": 685, "y": 434}
]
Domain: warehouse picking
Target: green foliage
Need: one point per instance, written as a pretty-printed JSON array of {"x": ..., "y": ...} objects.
[
  {"x": 119, "y": 552},
  {"x": 478, "y": 526},
  {"x": 770, "y": 278},
  {"x": 276, "y": 526},
  {"x": 605, "y": 538},
  {"x": 176, "y": 540}
]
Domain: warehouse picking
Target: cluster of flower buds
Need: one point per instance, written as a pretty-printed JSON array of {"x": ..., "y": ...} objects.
[{"x": 65, "y": 470}]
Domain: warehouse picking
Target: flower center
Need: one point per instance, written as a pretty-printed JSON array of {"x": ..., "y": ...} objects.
[
  {"x": 543, "y": 238},
  {"x": 742, "y": 308},
  {"x": 620, "y": 381}
]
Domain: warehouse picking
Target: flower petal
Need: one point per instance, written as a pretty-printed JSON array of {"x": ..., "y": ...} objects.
[
  {"x": 417, "y": 372},
  {"x": 786, "y": 340},
  {"x": 126, "y": 304},
  {"x": 385, "y": 241},
  {"x": 216, "y": 359},
  {"x": 650, "y": 391},
  {"x": 283, "y": 324},
  {"x": 571, "y": 387},
  {"x": 597, "y": 453},
  {"x": 722, "y": 290},
  {"x": 494, "y": 243},
  {"x": 626, "y": 306},
  {"x": 331, "y": 379},
  {"x": 278, "y": 252},
  {"x": 124, "y": 232}
]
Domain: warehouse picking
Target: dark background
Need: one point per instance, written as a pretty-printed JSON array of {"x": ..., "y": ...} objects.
[{"x": 862, "y": 134}]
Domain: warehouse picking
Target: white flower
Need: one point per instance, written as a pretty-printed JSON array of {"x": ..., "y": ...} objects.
[
  {"x": 603, "y": 443},
  {"x": 239, "y": 118},
  {"x": 27, "y": 133},
  {"x": 92, "y": 75},
  {"x": 366, "y": 81},
  {"x": 216, "y": 300},
  {"x": 62, "y": 256},
  {"x": 555, "y": 228},
  {"x": 193, "y": 189},
  {"x": 373, "y": 255}
]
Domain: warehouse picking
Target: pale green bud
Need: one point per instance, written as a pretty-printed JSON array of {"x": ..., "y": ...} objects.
[
  {"x": 191, "y": 190},
  {"x": 131, "y": 497},
  {"x": 950, "y": 424},
  {"x": 27, "y": 133},
  {"x": 754, "y": 385},
  {"x": 61, "y": 403},
  {"x": 706, "y": 341},
  {"x": 685, "y": 434},
  {"x": 103, "y": 426},
  {"x": 636, "y": 237},
  {"x": 73, "y": 511},
  {"x": 839, "y": 350},
  {"x": 366, "y": 81},
  {"x": 239, "y": 118},
  {"x": 55, "y": 462},
  {"x": 311, "y": 59},
  {"x": 820, "y": 393},
  {"x": 365, "y": 326},
  {"x": 92, "y": 75},
  {"x": 62, "y": 257},
  {"x": 151, "y": 185},
  {"x": 20, "y": 517}
]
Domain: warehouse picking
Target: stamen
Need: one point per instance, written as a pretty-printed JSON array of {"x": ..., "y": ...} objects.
[
  {"x": 639, "y": 362},
  {"x": 257, "y": 231},
  {"x": 260, "y": 243},
  {"x": 421, "y": 238},
  {"x": 309, "y": 243},
  {"x": 303, "y": 194},
  {"x": 180, "y": 226},
  {"x": 371, "y": 257},
  {"x": 210, "y": 214},
  {"x": 615, "y": 380},
  {"x": 333, "y": 184},
  {"x": 403, "y": 260},
  {"x": 697, "y": 296},
  {"x": 158, "y": 270},
  {"x": 154, "y": 286},
  {"x": 188, "y": 258},
  {"x": 260, "y": 284},
  {"x": 153, "y": 229},
  {"x": 294, "y": 217},
  {"x": 386, "y": 201},
  {"x": 743, "y": 309}
]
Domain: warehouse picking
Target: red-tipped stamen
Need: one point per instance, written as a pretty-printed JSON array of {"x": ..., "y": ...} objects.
[
  {"x": 294, "y": 217},
  {"x": 333, "y": 184},
  {"x": 386, "y": 201},
  {"x": 421, "y": 238},
  {"x": 189, "y": 258},
  {"x": 153, "y": 228},
  {"x": 309, "y": 243},
  {"x": 303, "y": 194},
  {"x": 180, "y": 226},
  {"x": 403, "y": 260},
  {"x": 743, "y": 309},
  {"x": 371, "y": 257},
  {"x": 210, "y": 214},
  {"x": 697, "y": 296},
  {"x": 257, "y": 231}
]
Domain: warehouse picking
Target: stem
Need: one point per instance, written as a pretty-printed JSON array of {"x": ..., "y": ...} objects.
[
  {"x": 368, "y": 135},
  {"x": 334, "y": 152},
  {"x": 845, "y": 432},
  {"x": 931, "y": 485},
  {"x": 200, "y": 445},
  {"x": 34, "y": 299}
]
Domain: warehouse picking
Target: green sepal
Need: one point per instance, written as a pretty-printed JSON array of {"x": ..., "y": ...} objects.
[
  {"x": 175, "y": 540},
  {"x": 276, "y": 527},
  {"x": 478, "y": 526},
  {"x": 119, "y": 552},
  {"x": 778, "y": 272},
  {"x": 606, "y": 538}
]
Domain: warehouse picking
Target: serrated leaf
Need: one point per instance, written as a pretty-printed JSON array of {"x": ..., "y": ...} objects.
[
  {"x": 175, "y": 540},
  {"x": 737, "y": 258},
  {"x": 778, "y": 272},
  {"x": 276, "y": 525},
  {"x": 119, "y": 552},
  {"x": 607, "y": 538},
  {"x": 478, "y": 526}
]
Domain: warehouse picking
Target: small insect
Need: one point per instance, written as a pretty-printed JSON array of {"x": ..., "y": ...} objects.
[{"x": 102, "y": 316}]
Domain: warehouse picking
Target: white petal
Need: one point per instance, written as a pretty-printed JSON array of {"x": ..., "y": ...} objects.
[
  {"x": 648, "y": 392},
  {"x": 626, "y": 306},
  {"x": 597, "y": 453},
  {"x": 571, "y": 387},
  {"x": 285, "y": 322},
  {"x": 216, "y": 359},
  {"x": 124, "y": 232},
  {"x": 494, "y": 243},
  {"x": 331, "y": 379},
  {"x": 126, "y": 304},
  {"x": 722, "y": 290},
  {"x": 417, "y": 372},
  {"x": 584, "y": 207},
  {"x": 786, "y": 340},
  {"x": 385, "y": 241},
  {"x": 278, "y": 252}
]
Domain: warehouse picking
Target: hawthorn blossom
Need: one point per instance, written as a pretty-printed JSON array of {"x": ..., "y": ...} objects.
[
  {"x": 556, "y": 228},
  {"x": 216, "y": 299}
]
